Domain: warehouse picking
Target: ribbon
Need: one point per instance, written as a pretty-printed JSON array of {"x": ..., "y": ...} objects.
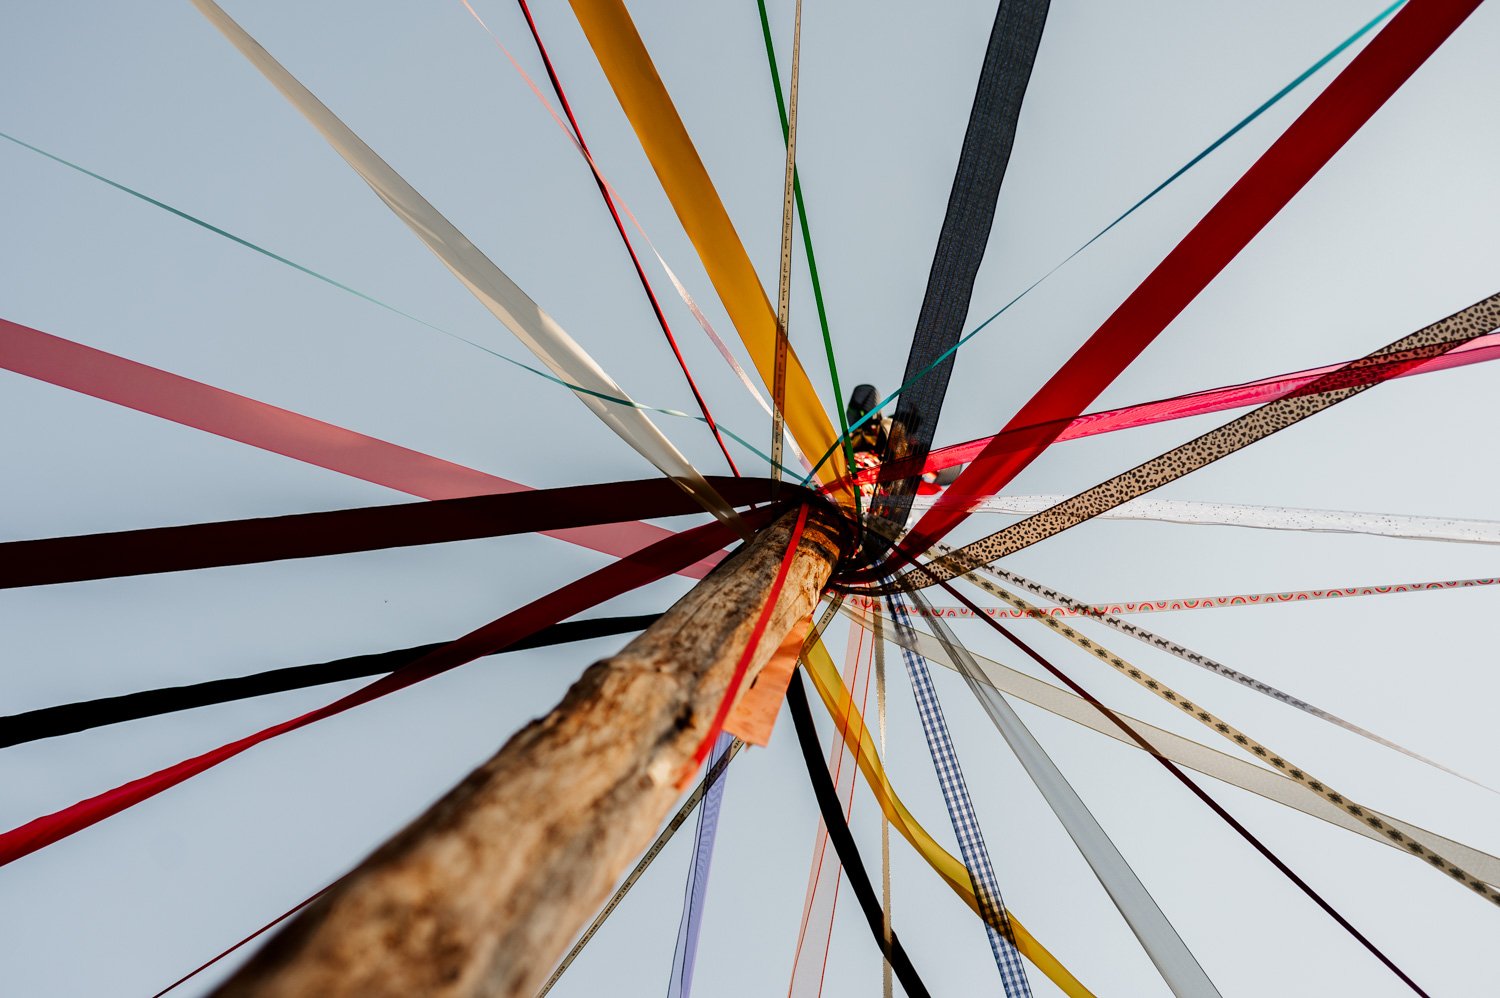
[
  {"x": 1325, "y": 392},
  {"x": 1075, "y": 608},
  {"x": 1266, "y": 783},
  {"x": 308, "y": 535},
  {"x": 67, "y": 719},
  {"x": 685, "y": 953},
  {"x": 843, "y": 841},
  {"x": 1410, "y": 843},
  {"x": 784, "y": 284},
  {"x": 752, "y": 645},
  {"x": 807, "y": 245},
  {"x": 835, "y": 696},
  {"x": 1479, "y": 350},
  {"x": 1106, "y": 617},
  {"x": 1015, "y": 37},
  {"x": 1371, "y": 77},
  {"x": 627, "y": 65},
  {"x": 714, "y": 774},
  {"x": 820, "y": 903},
  {"x": 885, "y": 826},
  {"x": 655, "y": 562},
  {"x": 537, "y": 330},
  {"x": 1224, "y": 514},
  {"x": 1173, "y": 960},
  {"x": 616, "y": 199},
  {"x": 1203, "y": 796},
  {"x": 151, "y": 390},
  {"x": 640, "y": 273},
  {"x": 961, "y": 813}
]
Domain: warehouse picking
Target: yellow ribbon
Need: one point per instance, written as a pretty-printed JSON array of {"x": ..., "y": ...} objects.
[
  {"x": 830, "y": 686},
  {"x": 644, "y": 98}
]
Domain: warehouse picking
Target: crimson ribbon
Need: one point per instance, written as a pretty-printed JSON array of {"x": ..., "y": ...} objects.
[
  {"x": 160, "y": 393},
  {"x": 663, "y": 558},
  {"x": 1337, "y": 113},
  {"x": 1199, "y": 403},
  {"x": 309, "y": 535}
]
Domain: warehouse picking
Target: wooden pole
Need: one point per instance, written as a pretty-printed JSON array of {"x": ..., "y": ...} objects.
[{"x": 482, "y": 893}]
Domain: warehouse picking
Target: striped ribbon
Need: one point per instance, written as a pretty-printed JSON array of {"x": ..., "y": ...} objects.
[
  {"x": 1192, "y": 787},
  {"x": 1204, "y": 662},
  {"x": 1412, "y": 844},
  {"x": 1073, "y": 608},
  {"x": 840, "y": 704},
  {"x": 685, "y": 954},
  {"x": 1157, "y": 936},
  {"x": 1232, "y": 770},
  {"x": 714, "y": 774},
  {"x": 961, "y": 812}
]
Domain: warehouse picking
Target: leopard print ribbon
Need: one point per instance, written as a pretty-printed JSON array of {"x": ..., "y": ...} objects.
[{"x": 1327, "y": 391}]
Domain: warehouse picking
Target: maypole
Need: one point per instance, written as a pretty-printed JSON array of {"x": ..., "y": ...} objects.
[{"x": 482, "y": 893}]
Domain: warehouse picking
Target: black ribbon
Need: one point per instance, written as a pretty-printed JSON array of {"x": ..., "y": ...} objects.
[
  {"x": 1013, "y": 44},
  {"x": 843, "y": 841},
  {"x": 68, "y": 718}
]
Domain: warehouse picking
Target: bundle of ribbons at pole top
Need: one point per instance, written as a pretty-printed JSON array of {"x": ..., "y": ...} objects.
[{"x": 881, "y": 467}]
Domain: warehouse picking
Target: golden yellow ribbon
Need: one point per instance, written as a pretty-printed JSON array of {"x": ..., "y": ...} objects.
[
  {"x": 644, "y": 98},
  {"x": 830, "y": 686}
]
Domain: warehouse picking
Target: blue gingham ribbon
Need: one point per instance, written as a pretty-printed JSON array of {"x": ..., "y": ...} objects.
[{"x": 961, "y": 811}]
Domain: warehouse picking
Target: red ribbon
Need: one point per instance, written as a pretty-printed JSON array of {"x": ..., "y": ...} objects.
[{"x": 756, "y": 633}]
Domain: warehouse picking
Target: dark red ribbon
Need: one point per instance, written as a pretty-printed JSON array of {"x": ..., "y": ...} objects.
[{"x": 311, "y": 535}]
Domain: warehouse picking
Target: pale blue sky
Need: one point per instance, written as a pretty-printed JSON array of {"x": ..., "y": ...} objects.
[{"x": 1395, "y": 232}]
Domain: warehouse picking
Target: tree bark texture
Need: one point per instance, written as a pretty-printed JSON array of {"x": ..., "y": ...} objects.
[{"x": 482, "y": 893}]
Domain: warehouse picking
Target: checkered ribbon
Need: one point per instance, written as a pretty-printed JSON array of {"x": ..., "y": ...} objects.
[{"x": 961, "y": 811}]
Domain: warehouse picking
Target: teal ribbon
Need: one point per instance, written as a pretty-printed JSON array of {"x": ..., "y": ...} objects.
[
  {"x": 216, "y": 230},
  {"x": 1269, "y": 103}
]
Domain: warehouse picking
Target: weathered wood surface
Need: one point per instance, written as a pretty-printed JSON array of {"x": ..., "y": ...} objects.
[{"x": 482, "y": 893}]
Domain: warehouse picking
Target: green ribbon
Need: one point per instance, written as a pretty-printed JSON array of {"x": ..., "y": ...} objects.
[{"x": 812, "y": 259}]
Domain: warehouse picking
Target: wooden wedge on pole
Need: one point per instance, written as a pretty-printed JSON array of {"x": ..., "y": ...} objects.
[{"x": 482, "y": 893}]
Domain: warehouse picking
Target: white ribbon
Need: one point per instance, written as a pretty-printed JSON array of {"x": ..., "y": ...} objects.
[
  {"x": 537, "y": 330},
  {"x": 1424, "y": 528}
]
